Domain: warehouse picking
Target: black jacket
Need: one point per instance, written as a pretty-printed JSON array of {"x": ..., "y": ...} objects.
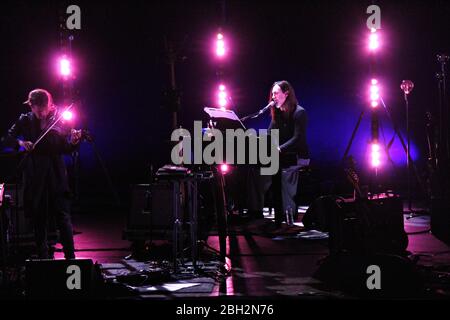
[
  {"x": 292, "y": 131},
  {"x": 43, "y": 169}
]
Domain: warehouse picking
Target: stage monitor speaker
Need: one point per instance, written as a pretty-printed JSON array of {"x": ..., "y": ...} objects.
[
  {"x": 361, "y": 226},
  {"x": 378, "y": 276},
  {"x": 61, "y": 279}
]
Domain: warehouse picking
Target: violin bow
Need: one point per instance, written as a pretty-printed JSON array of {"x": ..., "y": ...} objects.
[{"x": 52, "y": 125}]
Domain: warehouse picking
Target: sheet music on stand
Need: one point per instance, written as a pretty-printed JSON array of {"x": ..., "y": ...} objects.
[{"x": 216, "y": 113}]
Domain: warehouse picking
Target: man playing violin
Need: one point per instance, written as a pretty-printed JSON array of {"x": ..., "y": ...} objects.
[{"x": 46, "y": 187}]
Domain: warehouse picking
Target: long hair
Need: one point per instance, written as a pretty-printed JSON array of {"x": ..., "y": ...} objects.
[{"x": 291, "y": 100}]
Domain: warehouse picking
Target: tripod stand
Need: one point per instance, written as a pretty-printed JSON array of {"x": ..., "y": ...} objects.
[{"x": 396, "y": 133}]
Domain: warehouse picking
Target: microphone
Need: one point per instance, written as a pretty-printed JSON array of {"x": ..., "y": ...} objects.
[
  {"x": 407, "y": 86},
  {"x": 257, "y": 114},
  {"x": 271, "y": 104}
]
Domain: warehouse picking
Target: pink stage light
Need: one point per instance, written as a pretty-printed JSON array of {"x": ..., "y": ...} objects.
[
  {"x": 374, "y": 40},
  {"x": 375, "y": 156},
  {"x": 222, "y": 96},
  {"x": 224, "y": 168},
  {"x": 64, "y": 67},
  {"x": 67, "y": 115},
  {"x": 220, "y": 45},
  {"x": 374, "y": 93}
]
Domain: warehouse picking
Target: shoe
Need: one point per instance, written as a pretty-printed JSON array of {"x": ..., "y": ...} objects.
[{"x": 69, "y": 254}]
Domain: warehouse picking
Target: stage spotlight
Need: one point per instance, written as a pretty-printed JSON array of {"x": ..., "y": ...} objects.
[
  {"x": 374, "y": 93},
  {"x": 64, "y": 67},
  {"x": 224, "y": 168},
  {"x": 374, "y": 40},
  {"x": 67, "y": 115},
  {"x": 222, "y": 96},
  {"x": 375, "y": 155},
  {"x": 220, "y": 45},
  {"x": 374, "y": 96}
]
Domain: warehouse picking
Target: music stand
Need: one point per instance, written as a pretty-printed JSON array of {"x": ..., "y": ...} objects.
[
  {"x": 216, "y": 113},
  {"x": 228, "y": 120}
]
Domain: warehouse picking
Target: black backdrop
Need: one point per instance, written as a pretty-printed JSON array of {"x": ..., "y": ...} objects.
[{"x": 319, "y": 46}]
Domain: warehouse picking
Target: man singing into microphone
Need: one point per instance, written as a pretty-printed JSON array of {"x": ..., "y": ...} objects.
[
  {"x": 46, "y": 188},
  {"x": 291, "y": 121}
]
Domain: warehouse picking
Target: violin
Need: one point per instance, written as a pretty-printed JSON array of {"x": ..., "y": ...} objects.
[{"x": 58, "y": 126}]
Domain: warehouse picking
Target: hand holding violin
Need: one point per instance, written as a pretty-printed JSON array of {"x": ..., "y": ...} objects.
[
  {"x": 75, "y": 136},
  {"x": 27, "y": 145}
]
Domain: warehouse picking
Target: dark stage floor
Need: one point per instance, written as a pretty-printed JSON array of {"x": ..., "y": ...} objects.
[{"x": 264, "y": 262}]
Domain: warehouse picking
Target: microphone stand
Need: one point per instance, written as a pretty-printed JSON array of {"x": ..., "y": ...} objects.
[
  {"x": 407, "y": 87},
  {"x": 443, "y": 141},
  {"x": 408, "y": 154}
]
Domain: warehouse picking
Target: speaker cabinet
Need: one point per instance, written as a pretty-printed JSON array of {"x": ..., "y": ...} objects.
[
  {"x": 361, "y": 226},
  {"x": 61, "y": 279},
  {"x": 154, "y": 209}
]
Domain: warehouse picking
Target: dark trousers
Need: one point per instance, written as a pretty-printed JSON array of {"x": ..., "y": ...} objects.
[
  {"x": 284, "y": 188},
  {"x": 59, "y": 207}
]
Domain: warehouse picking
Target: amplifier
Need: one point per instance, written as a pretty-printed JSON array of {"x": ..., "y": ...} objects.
[
  {"x": 154, "y": 208},
  {"x": 360, "y": 226},
  {"x": 373, "y": 225}
]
